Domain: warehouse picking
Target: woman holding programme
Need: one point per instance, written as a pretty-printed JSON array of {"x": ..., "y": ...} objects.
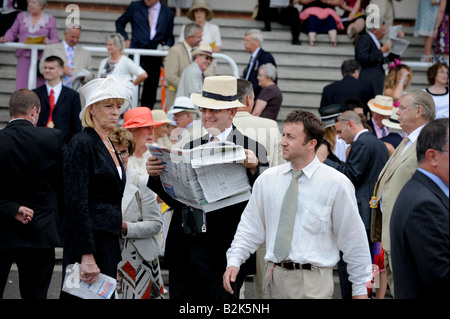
[{"x": 94, "y": 182}]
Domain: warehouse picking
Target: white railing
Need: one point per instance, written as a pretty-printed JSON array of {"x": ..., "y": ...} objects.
[{"x": 136, "y": 53}]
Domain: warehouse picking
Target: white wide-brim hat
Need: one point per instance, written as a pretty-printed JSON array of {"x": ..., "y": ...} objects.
[
  {"x": 381, "y": 104},
  {"x": 202, "y": 49},
  {"x": 182, "y": 104},
  {"x": 392, "y": 122},
  {"x": 219, "y": 93},
  {"x": 106, "y": 88}
]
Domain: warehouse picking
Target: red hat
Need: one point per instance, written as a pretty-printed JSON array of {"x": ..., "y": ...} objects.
[{"x": 139, "y": 117}]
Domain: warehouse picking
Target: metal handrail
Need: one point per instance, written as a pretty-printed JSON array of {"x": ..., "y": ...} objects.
[{"x": 137, "y": 53}]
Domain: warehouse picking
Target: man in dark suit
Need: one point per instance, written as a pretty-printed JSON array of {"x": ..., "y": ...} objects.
[
  {"x": 196, "y": 261},
  {"x": 369, "y": 54},
  {"x": 419, "y": 221},
  {"x": 349, "y": 87},
  {"x": 364, "y": 162},
  {"x": 60, "y": 105},
  {"x": 146, "y": 35},
  {"x": 31, "y": 196},
  {"x": 252, "y": 43}
]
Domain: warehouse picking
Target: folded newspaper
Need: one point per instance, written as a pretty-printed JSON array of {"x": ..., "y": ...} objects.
[
  {"x": 207, "y": 177},
  {"x": 102, "y": 288},
  {"x": 399, "y": 45}
]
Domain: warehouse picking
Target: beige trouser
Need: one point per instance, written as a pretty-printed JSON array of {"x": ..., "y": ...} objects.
[{"x": 280, "y": 283}]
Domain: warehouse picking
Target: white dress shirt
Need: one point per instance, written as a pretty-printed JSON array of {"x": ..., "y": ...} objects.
[{"x": 327, "y": 220}]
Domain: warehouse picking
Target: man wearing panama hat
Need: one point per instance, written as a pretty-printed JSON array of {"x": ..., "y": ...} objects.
[
  {"x": 191, "y": 80},
  {"x": 196, "y": 261},
  {"x": 381, "y": 108}
]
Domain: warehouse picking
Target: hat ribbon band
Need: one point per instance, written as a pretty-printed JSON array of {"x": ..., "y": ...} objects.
[
  {"x": 394, "y": 121},
  {"x": 182, "y": 107},
  {"x": 219, "y": 97},
  {"x": 382, "y": 106}
]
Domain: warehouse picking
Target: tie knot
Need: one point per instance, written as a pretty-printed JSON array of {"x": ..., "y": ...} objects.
[
  {"x": 296, "y": 174},
  {"x": 52, "y": 92}
]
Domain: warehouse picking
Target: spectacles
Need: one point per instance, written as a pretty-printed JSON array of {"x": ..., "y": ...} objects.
[{"x": 124, "y": 154}]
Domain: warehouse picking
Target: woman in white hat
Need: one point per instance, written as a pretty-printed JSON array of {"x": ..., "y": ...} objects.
[
  {"x": 94, "y": 182},
  {"x": 200, "y": 12}
]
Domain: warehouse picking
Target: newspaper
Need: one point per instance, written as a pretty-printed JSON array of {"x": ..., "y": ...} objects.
[
  {"x": 82, "y": 73},
  {"x": 102, "y": 288},
  {"x": 207, "y": 177},
  {"x": 398, "y": 45}
]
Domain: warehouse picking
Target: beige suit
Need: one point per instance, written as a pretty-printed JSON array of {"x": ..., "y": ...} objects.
[
  {"x": 176, "y": 61},
  {"x": 81, "y": 60},
  {"x": 401, "y": 172},
  {"x": 264, "y": 131}
]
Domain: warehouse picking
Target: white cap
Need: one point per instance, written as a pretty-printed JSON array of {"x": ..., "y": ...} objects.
[{"x": 182, "y": 104}]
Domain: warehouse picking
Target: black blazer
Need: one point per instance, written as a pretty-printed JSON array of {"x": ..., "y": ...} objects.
[
  {"x": 221, "y": 224},
  {"x": 66, "y": 112},
  {"x": 371, "y": 60},
  {"x": 419, "y": 229},
  {"x": 366, "y": 159},
  {"x": 31, "y": 168},
  {"x": 94, "y": 192},
  {"x": 347, "y": 88},
  {"x": 137, "y": 15},
  {"x": 262, "y": 57}
]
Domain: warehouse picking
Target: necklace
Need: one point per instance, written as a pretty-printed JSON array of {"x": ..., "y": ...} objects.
[{"x": 111, "y": 149}]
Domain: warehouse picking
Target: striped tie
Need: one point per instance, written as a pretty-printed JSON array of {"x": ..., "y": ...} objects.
[{"x": 67, "y": 80}]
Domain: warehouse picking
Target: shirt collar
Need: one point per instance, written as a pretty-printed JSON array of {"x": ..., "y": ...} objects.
[
  {"x": 56, "y": 89},
  {"x": 436, "y": 179},
  {"x": 66, "y": 46},
  {"x": 374, "y": 38},
  {"x": 359, "y": 133},
  {"x": 224, "y": 135},
  {"x": 415, "y": 134},
  {"x": 308, "y": 170}
]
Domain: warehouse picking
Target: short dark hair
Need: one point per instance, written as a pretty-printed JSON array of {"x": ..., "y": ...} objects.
[
  {"x": 53, "y": 58},
  {"x": 349, "y": 66},
  {"x": 312, "y": 125},
  {"x": 433, "y": 136},
  {"x": 22, "y": 101}
]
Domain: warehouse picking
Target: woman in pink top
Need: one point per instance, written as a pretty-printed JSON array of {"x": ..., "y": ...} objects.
[{"x": 33, "y": 22}]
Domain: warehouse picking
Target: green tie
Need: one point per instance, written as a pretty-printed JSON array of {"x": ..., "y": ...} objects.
[{"x": 287, "y": 217}]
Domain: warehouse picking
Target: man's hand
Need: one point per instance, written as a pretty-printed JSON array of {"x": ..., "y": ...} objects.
[
  {"x": 230, "y": 276},
  {"x": 154, "y": 166},
  {"x": 24, "y": 215},
  {"x": 251, "y": 161}
]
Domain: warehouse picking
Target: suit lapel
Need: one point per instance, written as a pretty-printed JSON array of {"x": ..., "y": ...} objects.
[{"x": 432, "y": 186}]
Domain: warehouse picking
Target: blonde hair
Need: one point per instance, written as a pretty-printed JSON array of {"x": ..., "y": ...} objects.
[
  {"x": 123, "y": 137},
  {"x": 86, "y": 119},
  {"x": 391, "y": 78}
]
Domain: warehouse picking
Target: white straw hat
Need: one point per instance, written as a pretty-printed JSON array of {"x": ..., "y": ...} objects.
[
  {"x": 392, "y": 122},
  {"x": 106, "y": 88},
  {"x": 219, "y": 92},
  {"x": 381, "y": 104},
  {"x": 182, "y": 104}
]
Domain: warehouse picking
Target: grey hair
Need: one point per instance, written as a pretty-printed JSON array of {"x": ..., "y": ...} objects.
[
  {"x": 270, "y": 70},
  {"x": 419, "y": 97},
  {"x": 256, "y": 35},
  {"x": 119, "y": 41},
  {"x": 190, "y": 29}
]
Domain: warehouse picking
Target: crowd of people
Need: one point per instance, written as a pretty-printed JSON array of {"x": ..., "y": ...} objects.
[{"x": 363, "y": 186}]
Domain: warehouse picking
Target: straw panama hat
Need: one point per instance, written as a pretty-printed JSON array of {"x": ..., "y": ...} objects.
[
  {"x": 392, "y": 122},
  {"x": 219, "y": 92},
  {"x": 182, "y": 104},
  {"x": 106, "y": 88},
  {"x": 200, "y": 4},
  {"x": 139, "y": 117},
  {"x": 381, "y": 104},
  {"x": 160, "y": 116},
  {"x": 203, "y": 49}
]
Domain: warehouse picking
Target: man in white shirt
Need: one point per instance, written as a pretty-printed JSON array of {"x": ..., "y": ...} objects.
[{"x": 326, "y": 221}]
